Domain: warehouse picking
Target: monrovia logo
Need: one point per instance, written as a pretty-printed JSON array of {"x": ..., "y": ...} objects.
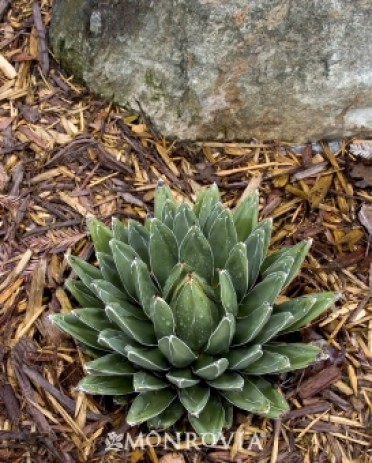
[{"x": 179, "y": 440}]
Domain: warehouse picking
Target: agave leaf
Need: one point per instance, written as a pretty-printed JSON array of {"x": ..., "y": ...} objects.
[
  {"x": 267, "y": 227},
  {"x": 94, "y": 318},
  {"x": 182, "y": 378},
  {"x": 106, "y": 291},
  {"x": 299, "y": 252},
  {"x": 124, "y": 255},
  {"x": 110, "y": 365},
  {"x": 249, "y": 399},
  {"x": 163, "y": 251},
  {"x": 206, "y": 200},
  {"x": 249, "y": 327},
  {"x": 210, "y": 421},
  {"x": 176, "y": 351},
  {"x": 196, "y": 252},
  {"x": 246, "y": 215},
  {"x": 140, "y": 330},
  {"x": 209, "y": 368},
  {"x": 284, "y": 264},
  {"x": 83, "y": 295},
  {"x": 110, "y": 297},
  {"x": 108, "y": 269},
  {"x": 145, "y": 287},
  {"x": 176, "y": 276},
  {"x": 222, "y": 237},
  {"x": 276, "y": 324},
  {"x": 229, "y": 413},
  {"x": 194, "y": 398},
  {"x": 163, "y": 319},
  {"x": 169, "y": 212},
  {"x": 265, "y": 291},
  {"x": 106, "y": 385},
  {"x": 138, "y": 238},
  {"x": 115, "y": 340},
  {"x": 240, "y": 358},
  {"x": 228, "y": 381},
  {"x": 299, "y": 355},
  {"x": 86, "y": 272},
  {"x": 162, "y": 194},
  {"x": 101, "y": 235},
  {"x": 237, "y": 267},
  {"x": 77, "y": 329},
  {"x": 150, "y": 359},
  {"x": 167, "y": 419},
  {"x": 119, "y": 230},
  {"x": 227, "y": 293},
  {"x": 269, "y": 363},
  {"x": 148, "y": 405},
  {"x": 215, "y": 212},
  {"x": 183, "y": 221},
  {"x": 255, "y": 252},
  {"x": 298, "y": 307},
  {"x": 145, "y": 382},
  {"x": 278, "y": 404},
  {"x": 221, "y": 337},
  {"x": 322, "y": 302}
]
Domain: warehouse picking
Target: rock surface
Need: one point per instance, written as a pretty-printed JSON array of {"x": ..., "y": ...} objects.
[{"x": 294, "y": 70}]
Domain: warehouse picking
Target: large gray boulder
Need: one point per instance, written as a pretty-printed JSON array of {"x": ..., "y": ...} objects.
[{"x": 294, "y": 70}]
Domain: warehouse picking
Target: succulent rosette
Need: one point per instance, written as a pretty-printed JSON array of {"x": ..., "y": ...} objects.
[{"x": 180, "y": 313}]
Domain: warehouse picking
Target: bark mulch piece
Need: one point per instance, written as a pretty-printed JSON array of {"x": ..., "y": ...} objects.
[{"x": 66, "y": 154}]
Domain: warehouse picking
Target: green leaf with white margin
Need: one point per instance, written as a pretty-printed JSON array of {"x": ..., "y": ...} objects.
[
  {"x": 177, "y": 275},
  {"x": 194, "y": 398},
  {"x": 299, "y": 252},
  {"x": 209, "y": 368},
  {"x": 299, "y": 355},
  {"x": 106, "y": 385},
  {"x": 169, "y": 212},
  {"x": 107, "y": 292},
  {"x": 298, "y": 307},
  {"x": 246, "y": 215},
  {"x": 237, "y": 267},
  {"x": 269, "y": 363},
  {"x": 145, "y": 287},
  {"x": 284, "y": 264},
  {"x": 167, "y": 419},
  {"x": 94, "y": 318},
  {"x": 322, "y": 302},
  {"x": 150, "y": 359},
  {"x": 108, "y": 269},
  {"x": 229, "y": 381},
  {"x": 227, "y": 293},
  {"x": 222, "y": 336},
  {"x": 196, "y": 252},
  {"x": 101, "y": 235},
  {"x": 148, "y": 405},
  {"x": 163, "y": 318},
  {"x": 277, "y": 323},
  {"x": 278, "y": 404},
  {"x": 229, "y": 413},
  {"x": 215, "y": 212},
  {"x": 255, "y": 254},
  {"x": 86, "y": 272},
  {"x": 182, "y": 378},
  {"x": 119, "y": 230},
  {"x": 183, "y": 221},
  {"x": 163, "y": 251},
  {"x": 211, "y": 420},
  {"x": 115, "y": 340},
  {"x": 83, "y": 295},
  {"x": 176, "y": 351},
  {"x": 249, "y": 327},
  {"x": 241, "y": 357},
  {"x": 110, "y": 365},
  {"x": 124, "y": 256},
  {"x": 265, "y": 291},
  {"x": 222, "y": 238},
  {"x": 205, "y": 201},
  {"x": 162, "y": 194},
  {"x": 70, "y": 324},
  {"x": 140, "y": 330},
  {"x": 267, "y": 227},
  {"x": 138, "y": 238},
  {"x": 249, "y": 399},
  {"x": 146, "y": 382}
]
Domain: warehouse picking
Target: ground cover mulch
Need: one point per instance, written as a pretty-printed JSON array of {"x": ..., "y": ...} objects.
[{"x": 66, "y": 154}]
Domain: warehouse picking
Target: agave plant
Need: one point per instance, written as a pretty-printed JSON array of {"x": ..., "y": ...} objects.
[{"x": 181, "y": 313}]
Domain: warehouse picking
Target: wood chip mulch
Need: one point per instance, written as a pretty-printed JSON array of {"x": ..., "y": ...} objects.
[{"x": 66, "y": 154}]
